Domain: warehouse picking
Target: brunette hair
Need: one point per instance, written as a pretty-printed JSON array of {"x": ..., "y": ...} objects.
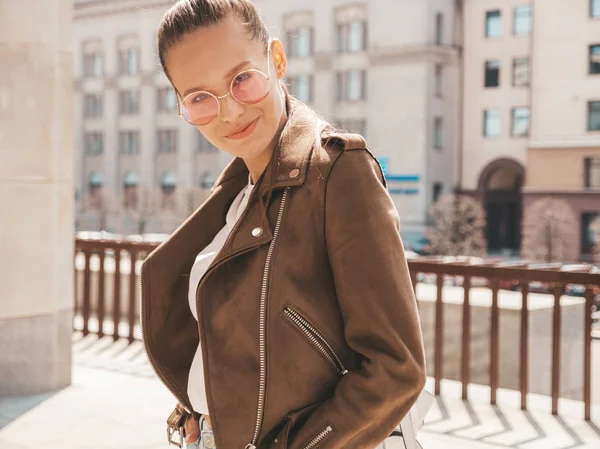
[{"x": 186, "y": 16}]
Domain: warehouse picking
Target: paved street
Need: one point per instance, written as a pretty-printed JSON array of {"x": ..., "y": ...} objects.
[{"x": 116, "y": 403}]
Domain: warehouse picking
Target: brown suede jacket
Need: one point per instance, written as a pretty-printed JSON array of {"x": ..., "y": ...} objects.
[{"x": 309, "y": 326}]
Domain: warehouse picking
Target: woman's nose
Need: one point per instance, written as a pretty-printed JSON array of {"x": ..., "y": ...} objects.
[{"x": 231, "y": 110}]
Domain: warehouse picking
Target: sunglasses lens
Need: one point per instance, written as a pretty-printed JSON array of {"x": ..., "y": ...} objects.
[
  {"x": 200, "y": 108},
  {"x": 250, "y": 87}
]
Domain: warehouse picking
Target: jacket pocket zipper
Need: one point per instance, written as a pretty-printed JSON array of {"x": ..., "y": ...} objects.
[
  {"x": 316, "y": 338},
  {"x": 320, "y": 437}
]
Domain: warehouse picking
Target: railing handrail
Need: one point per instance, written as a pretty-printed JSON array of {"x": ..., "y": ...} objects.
[
  {"x": 128, "y": 245},
  {"x": 498, "y": 271}
]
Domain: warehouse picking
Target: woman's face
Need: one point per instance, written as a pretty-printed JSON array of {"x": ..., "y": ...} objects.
[{"x": 209, "y": 59}]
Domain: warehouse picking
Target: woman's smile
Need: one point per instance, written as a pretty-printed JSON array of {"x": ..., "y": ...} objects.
[{"x": 243, "y": 131}]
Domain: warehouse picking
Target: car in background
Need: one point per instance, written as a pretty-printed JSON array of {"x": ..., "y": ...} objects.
[{"x": 578, "y": 289}]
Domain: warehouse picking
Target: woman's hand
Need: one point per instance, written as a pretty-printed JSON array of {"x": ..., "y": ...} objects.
[{"x": 192, "y": 428}]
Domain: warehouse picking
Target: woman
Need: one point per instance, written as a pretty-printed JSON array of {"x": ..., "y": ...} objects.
[{"x": 307, "y": 333}]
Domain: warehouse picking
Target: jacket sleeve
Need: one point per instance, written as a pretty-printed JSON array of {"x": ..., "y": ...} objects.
[{"x": 378, "y": 307}]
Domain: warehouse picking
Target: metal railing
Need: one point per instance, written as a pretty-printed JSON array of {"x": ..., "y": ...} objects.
[
  {"x": 523, "y": 275},
  {"x": 125, "y": 257}
]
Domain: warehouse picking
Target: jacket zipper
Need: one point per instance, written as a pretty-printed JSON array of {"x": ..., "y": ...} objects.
[
  {"x": 320, "y": 437},
  {"x": 159, "y": 373},
  {"x": 262, "y": 326},
  {"x": 316, "y": 338}
]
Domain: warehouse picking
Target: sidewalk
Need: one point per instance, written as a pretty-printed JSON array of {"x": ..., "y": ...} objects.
[{"x": 115, "y": 402}]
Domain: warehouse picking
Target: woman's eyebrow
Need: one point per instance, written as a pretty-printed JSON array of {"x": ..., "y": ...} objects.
[{"x": 229, "y": 74}]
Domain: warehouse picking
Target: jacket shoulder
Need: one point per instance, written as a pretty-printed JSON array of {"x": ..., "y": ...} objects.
[{"x": 345, "y": 141}]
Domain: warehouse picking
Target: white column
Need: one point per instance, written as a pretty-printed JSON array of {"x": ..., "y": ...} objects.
[{"x": 36, "y": 195}]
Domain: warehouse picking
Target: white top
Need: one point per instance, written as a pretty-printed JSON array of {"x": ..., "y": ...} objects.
[{"x": 196, "y": 387}]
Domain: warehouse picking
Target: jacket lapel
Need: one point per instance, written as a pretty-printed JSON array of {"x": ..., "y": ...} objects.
[{"x": 287, "y": 168}]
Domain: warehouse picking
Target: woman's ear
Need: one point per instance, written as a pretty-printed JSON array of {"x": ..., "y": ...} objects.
[{"x": 279, "y": 58}]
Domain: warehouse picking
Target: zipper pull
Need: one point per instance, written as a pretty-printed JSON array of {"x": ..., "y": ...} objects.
[{"x": 250, "y": 446}]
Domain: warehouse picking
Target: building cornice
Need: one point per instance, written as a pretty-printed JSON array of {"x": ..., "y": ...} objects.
[
  {"x": 583, "y": 142},
  {"x": 98, "y": 8},
  {"x": 555, "y": 192}
]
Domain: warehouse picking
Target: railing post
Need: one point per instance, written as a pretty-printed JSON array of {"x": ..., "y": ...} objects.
[
  {"x": 117, "y": 294},
  {"x": 85, "y": 307},
  {"x": 494, "y": 343},
  {"x": 439, "y": 334},
  {"x": 524, "y": 356},
  {"x": 587, "y": 353},
  {"x": 556, "y": 334},
  {"x": 466, "y": 338},
  {"x": 101, "y": 299},
  {"x": 132, "y": 302}
]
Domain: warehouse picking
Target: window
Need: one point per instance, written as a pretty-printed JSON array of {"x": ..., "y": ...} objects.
[
  {"x": 352, "y": 36},
  {"x": 167, "y": 140},
  {"x": 355, "y": 86},
  {"x": 437, "y": 133},
  {"x": 595, "y": 8},
  {"x": 352, "y": 85},
  {"x": 167, "y": 100},
  {"x": 439, "y": 28},
  {"x": 129, "y": 142},
  {"x": 130, "y": 185},
  {"x": 589, "y": 235},
  {"x": 92, "y": 105},
  {"x": 592, "y": 173},
  {"x": 204, "y": 146},
  {"x": 594, "y": 116},
  {"x": 520, "y": 122},
  {"x": 357, "y": 126},
  {"x": 168, "y": 184},
  {"x": 493, "y": 24},
  {"x": 492, "y": 74},
  {"x": 595, "y": 59},
  {"x": 96, "y": 182},
  {"x": 129, "y": 102},
  {"x": 93, "y": 143},
  {"x": 92, "y": 64},
  {"x": 439, "y": 79},
  {"x": 300, "y": 42},
  {"x": 491, "y": 123},
  {"x": 520, "y": 72},
  {"x": 301, "y": 87},
  {"x": 522, "y": 26},
  {"x": 437, "y": 191},
  {"x": 128, "y": 61}
]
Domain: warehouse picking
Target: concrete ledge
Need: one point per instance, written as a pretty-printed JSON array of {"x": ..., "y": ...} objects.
[{"x": 35, "y": 353}]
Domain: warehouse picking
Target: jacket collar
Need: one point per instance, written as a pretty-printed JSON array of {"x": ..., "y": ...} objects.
[{"x": 289, "y": 162}]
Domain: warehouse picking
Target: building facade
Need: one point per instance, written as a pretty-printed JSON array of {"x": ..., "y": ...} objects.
[
  {"x": 531, "y": 121},
  {"x": 140, "y": 167},
  {"x": 488, "y": 97},
  {"x": 563, "y": 159}
]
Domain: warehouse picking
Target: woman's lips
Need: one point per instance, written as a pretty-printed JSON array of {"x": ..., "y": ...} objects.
[{"x": 244, "y": 132}]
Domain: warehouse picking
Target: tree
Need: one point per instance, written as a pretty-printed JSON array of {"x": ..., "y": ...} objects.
[
  {"x": 550, "y": 231},
  {"x": 458, "y": 226}
]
